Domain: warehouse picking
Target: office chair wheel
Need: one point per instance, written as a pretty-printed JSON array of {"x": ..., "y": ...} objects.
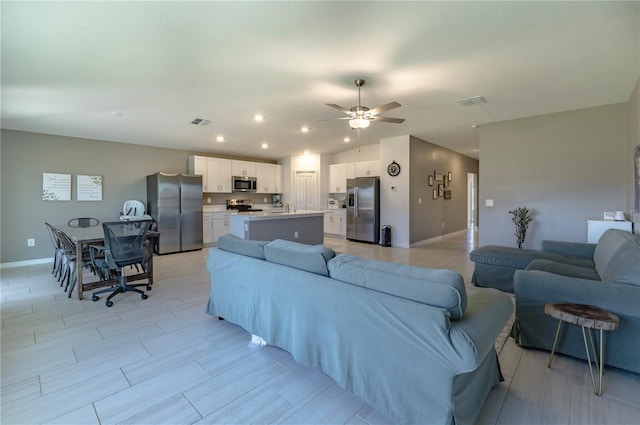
[
  {"x": 148, "y": 287},
  {"x": 144, "y": 296},
  {"x": 109, "y": 303},
  {"x": 95, "y": 298}
]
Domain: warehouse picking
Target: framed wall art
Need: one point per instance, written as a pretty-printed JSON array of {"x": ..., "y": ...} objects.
[
  {"x": 89, "y": 188},
  {"x": 437, "y": 175},
  {"x": 56, "y": 187},
  {"x": 447, "y": 194},
  {"x": 430, "y": 180},
  {"x": 435, "y": 193},
  {"x": 440, "y": 190}
]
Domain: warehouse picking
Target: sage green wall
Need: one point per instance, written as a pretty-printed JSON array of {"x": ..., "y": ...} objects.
[
  {"x": 567, "y": 167},
  {"x": 25, "y": 156}
]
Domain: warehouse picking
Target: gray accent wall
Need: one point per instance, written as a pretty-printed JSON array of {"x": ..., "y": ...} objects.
[
  {"x": 25, "y": 156},
  {"x": 566, "y": 167},
  {"x": 634, "y": 140}
]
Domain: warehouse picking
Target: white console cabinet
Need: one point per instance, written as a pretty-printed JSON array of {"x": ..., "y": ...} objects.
[{"x": 597, "y": 227}]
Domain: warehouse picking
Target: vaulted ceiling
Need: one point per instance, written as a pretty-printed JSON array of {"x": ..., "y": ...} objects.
[{"x": 140, "y": 72}]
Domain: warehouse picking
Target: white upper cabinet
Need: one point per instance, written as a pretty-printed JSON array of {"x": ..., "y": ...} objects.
[
  {"x": 337, "y": 178},
  {"x": 215, "y": 172},
  {"x": 243, "y": 168},
  {"x": 367, "y": 169},
  {"x": 266, "y": 177},
  {"x": 219, "y": 174},
  {"x": 279, "y": 178},
  {"x": 269, "y": 178}
]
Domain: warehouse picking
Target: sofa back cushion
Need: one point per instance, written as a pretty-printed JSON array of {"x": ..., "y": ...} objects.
[
  {"x": 310, "y": 258},
  {"x": 610, "y": 242},
  {"x": 435, "y": 287},
  {"x": 624, "y": 267},
  {"x": 240, "y": 246}
]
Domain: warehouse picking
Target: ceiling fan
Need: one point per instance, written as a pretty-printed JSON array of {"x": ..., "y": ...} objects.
[{"x": 361, "y": 116}]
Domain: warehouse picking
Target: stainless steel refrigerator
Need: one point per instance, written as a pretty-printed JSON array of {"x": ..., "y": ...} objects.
[
  {"x": 175, "y": 203},
  {"x": 363, "y": 209}
]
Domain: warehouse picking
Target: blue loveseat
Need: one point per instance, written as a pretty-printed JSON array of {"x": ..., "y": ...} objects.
[
  {"x": 605, "y": 275},
  {"x": 405, "y": 339}
]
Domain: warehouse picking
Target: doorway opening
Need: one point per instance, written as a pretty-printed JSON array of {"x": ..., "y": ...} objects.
[{"x": 472, "y": 200}]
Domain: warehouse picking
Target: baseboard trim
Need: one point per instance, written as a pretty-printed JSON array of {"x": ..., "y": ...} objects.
[
  {"x": 26, "y": 263},
  {"x": 439, "y": 238}
]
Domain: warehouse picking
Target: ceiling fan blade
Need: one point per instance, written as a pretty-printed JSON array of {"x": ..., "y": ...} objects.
[
  {"x": 339, "y": 108},
  {"x": 387, "y": 119},
  {"x": 333, "y": 119},
  {"x": 383, "y": 108}
]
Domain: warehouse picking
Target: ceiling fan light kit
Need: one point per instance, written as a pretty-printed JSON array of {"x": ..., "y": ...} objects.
[
  {"x": 361, "y": 116},
  {"x": 358, "y": 123}
]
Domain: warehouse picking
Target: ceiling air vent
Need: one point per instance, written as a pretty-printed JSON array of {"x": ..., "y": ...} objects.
[
  {"x": 200, "y": 122},
  {"x": 470, "y": 101}
]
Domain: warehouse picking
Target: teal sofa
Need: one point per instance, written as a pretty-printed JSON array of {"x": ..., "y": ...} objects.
[
  {"x": 406, "y": 340},
  {"x": 613, "y": 283}
]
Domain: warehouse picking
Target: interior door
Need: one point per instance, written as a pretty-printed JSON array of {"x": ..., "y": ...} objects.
[{"x": 306, "y": 190}]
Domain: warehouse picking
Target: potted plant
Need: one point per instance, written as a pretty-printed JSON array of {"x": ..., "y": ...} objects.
[{"x": 521, "y": 217}]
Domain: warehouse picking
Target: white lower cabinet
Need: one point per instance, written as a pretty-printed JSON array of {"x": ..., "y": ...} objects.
[
  {"x": 335, "y": 223},
  {"x": 207, "y": 227},
  {"x": 221, "y": 224}
]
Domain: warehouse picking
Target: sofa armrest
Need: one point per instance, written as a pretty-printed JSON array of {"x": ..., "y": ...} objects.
[
  {"x": 545, "y": 287},
  {"x": 576, "y": 249},
  {"x": 488, "y": 312}
]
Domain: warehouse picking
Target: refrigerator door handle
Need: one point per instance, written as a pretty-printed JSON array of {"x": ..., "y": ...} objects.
[{"x": 355, "y": 202}]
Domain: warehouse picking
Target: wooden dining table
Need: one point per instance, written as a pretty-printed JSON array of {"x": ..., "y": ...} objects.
[{"x": 85, "y": 236}]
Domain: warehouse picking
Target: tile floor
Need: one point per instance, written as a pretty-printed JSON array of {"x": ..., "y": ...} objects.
[{"x": 164, "y": 361}]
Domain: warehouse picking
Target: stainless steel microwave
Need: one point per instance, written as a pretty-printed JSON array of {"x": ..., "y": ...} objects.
[{"x": 244, "y": 184}]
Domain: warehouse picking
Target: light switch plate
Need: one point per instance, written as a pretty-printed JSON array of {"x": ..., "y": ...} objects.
[{"x": 488, "y": 202}]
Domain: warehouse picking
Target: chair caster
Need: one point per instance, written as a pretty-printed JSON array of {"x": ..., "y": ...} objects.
[
  {"x": 95, "y": 298},
  {"x": 109, "y": 303},
  {"x": 144, "y": 296},
  {"x": 148, "y": 287}
]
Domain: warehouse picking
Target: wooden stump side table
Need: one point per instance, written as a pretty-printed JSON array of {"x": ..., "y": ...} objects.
[{"x": 587, "y": 317}]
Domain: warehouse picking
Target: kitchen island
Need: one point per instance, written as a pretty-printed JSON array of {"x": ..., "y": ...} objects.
[{"x": 297, "y": 226}]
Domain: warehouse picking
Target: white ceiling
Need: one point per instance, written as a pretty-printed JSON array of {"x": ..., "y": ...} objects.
[{"x": 139, "y": 72}]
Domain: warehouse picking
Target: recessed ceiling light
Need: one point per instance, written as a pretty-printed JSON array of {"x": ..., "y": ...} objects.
[
  {"x": 258, "y": 117},
  {"x": 474, "y": 126},
  {"x": 219, "y": 139},
  {"x": 346, "y": 140},
  {"x": 305, "y": 129},
  {"x": 306, "y": 152},
  {"x": 264, "y": 145},
  {"x": 117, "y": 114}
]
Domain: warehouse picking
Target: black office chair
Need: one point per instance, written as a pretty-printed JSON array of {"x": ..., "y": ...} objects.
[
  {"x": 83, "y": 222},
  {"x": 124, "y": 245}
]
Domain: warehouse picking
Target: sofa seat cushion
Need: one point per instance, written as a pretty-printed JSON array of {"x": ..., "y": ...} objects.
[
  {"x": 240, "y": 246},
  {"x": 310, "y": 258},
  {"x": 435, "y": 287},
  {"x": 563, "y": 269},
  {"x": 516, "y": 258}
]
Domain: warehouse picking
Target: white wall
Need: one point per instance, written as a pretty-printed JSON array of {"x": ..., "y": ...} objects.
[
  {"x": 567, "y": 167},
  {"x": 358, "y": 154},
  {"x": 395, "y": 191}
]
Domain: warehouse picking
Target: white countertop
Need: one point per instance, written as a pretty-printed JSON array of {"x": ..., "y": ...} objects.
[{"x": 275, "y": 214}]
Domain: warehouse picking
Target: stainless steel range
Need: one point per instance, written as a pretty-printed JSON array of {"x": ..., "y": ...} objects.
[{"x": 241, "y": 205}]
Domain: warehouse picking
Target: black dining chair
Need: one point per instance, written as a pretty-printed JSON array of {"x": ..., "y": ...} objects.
[
  {"x": 83, "y": 222},
  {"x": 124, "y": 245},
  {"x": 58, "y": 252}
]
